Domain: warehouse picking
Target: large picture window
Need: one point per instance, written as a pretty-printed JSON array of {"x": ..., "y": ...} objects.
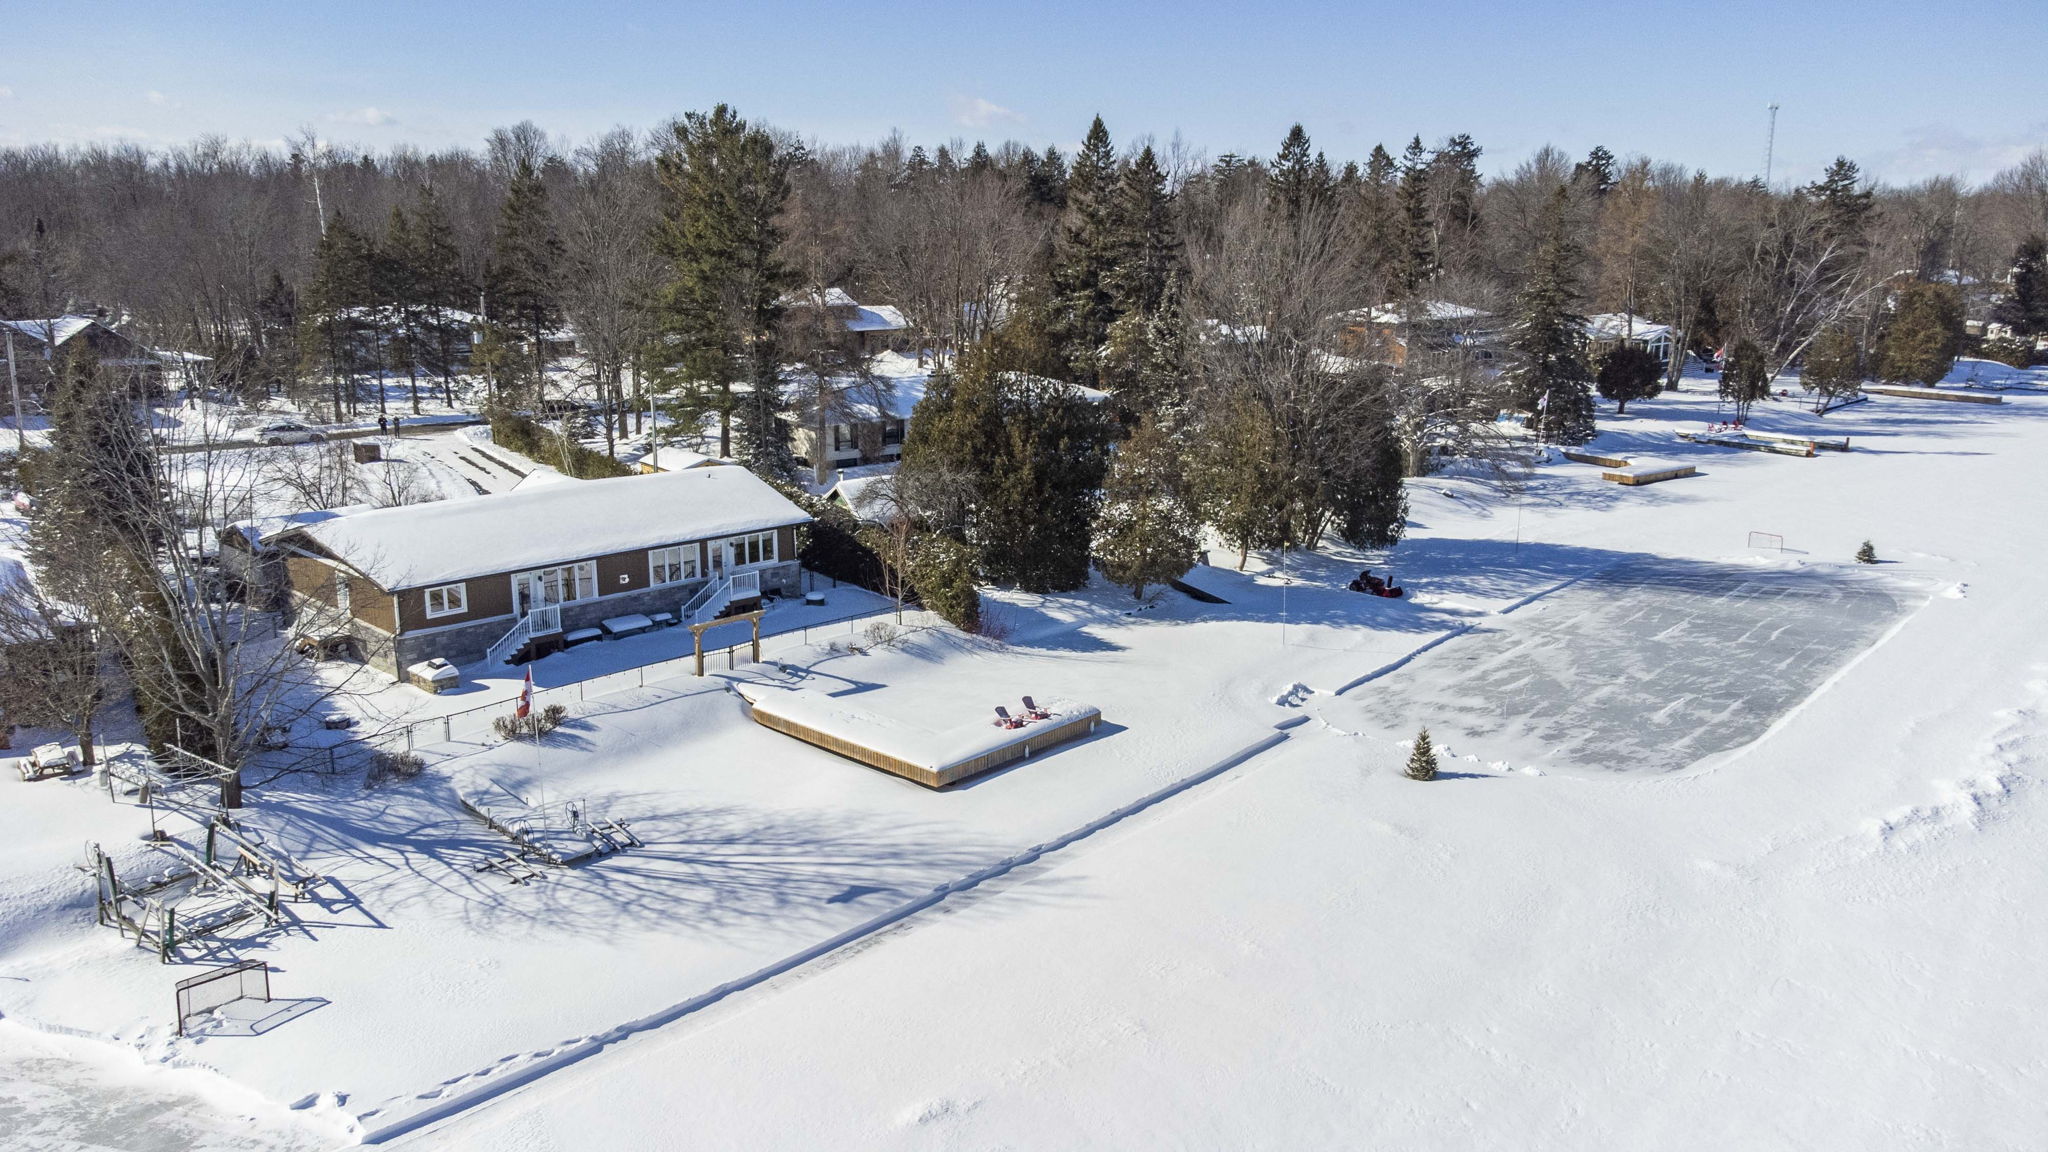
[
  {"x": 550, "y": 586},
  {"x": 672, "y": 565},
  {"x": 753, "y": 548},
  {"x": 447, "y": 600}
]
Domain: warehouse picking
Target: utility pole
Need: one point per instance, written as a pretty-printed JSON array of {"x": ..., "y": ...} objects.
[
  {"x": 14, "y": 388},
  {"x": 1770, "y": 145}
]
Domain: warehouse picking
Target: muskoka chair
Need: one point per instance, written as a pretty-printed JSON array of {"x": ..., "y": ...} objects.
[
  {"x": 1033, "y": 712},
  {"x": 1005, "y": 720}
]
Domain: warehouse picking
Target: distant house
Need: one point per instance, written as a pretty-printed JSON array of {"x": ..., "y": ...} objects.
[
  {"x": 869, "y": 415},
  {"x": 38, "y": 344},
  {"x": 875, "y": 325},
  {"x": 1612, "y": 329},
  {"x": 457, "y": 579},
  {"x": 1423, "y": 331}
]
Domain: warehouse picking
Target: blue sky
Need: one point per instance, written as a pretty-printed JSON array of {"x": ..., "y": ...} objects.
[{"x": 1907, "y": 89}]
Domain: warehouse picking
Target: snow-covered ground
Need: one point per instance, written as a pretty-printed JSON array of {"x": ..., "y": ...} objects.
[{"x": 1733, "y": 849}]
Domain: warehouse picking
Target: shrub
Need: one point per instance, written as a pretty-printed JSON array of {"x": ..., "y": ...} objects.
[
  {"x": 386, "y": 767},
  {"x": 533, "y": 726},
  {"x": 2008, "y": 351},
  {"x": 546, "y": 446},
  {"x": 1866, "y": 554},
  {"x": 880, "y": 633},
  {"x": 942, "y": 569}
]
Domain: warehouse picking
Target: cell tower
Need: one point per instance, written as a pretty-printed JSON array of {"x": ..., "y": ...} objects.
[{"x": 1770, "y": 145}]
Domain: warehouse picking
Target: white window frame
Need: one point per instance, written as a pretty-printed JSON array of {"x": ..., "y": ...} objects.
[
  {"x": 682, "y": 559},
  {"x": 455, "y": 606},
  {"x": 734, "y": 549},
  {"x": 579, "y": 578}
]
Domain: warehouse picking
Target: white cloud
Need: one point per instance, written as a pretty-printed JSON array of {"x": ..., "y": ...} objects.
[
  {"x": 372, "y": 116},
  {"x": 6, "y": 93},
  {"x": 156, "y": 98},
  {"x": 980, "y": 113}
]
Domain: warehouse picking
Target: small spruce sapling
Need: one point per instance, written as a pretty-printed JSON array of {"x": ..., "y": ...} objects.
[
  {"x": 1422, "y": 759},
  {"x": 1866, "y": 554}
]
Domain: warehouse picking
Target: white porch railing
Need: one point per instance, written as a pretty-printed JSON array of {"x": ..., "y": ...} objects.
[
  {"x": 712, "y": 598},
  {"x": 539, "y": 622}
]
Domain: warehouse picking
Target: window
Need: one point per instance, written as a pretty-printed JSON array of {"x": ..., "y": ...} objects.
[
  {"x": 672, "y": 565},
  {"x": 753, "y": 548},
  {"x": 892, "y": 432},
  {"x": 343, "y": 592},
  {"x": 550, "y": 586},
  {"x": 447, "y": 600},
  {"x": 842, "y": 438}
]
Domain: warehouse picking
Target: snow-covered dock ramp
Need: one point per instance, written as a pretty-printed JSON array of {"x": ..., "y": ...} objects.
[{"x": 934, "y": 758}]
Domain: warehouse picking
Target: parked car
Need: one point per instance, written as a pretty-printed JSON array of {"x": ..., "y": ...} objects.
[{"x": 289, "y": 433}]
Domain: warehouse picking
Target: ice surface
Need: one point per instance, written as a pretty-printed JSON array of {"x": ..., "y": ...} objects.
[{"x": 1647, "y": 667}]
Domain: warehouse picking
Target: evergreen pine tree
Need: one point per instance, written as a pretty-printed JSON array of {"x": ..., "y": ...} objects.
[
  {"x": 1745, "y": 376},
  {"x": 404, "y": 299},
  {"x": 1629, "y": 372},
  {"x": 724, "y": 183},
  {"x": 1866, "y": 554},
  {"x": 1422, "y": 762},
  {"x": 1416, "y": 254},
  {"x": 1596, "y": 172},
  {"x": 1146, "y": 531},
  {"x": 1845, "y": 210},
  {"x": 342, "y": 288},
  {"x": 1925, "y": 335},
  {"x": 1373, "y": 219},
  {"x": 523, "y": 281},
  {"x": 1549, "y": 375},
  {"x": 1298, "y": 181},
  {"x": 1085, "y": 256},
  {"x": 442, "y": 285},
  {"x": 2024, "y": 307},
  {"x": 1146, "y": 240},
  {"x": 1833, "y": 366},
  {"x": 1454, "y": 198}
]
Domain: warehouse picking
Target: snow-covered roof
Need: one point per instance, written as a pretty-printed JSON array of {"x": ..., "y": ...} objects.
[
  {"x": 261, "y": 529},
  {"x": 895, "y": 382},
  {"x": 450, "y": 540},
  {"x": 1427, "y": 311},
  {"x": 1624, "y": 325},
  {"x": 850, "y": 472},
  {"x": 861, "y": 494},
  {"x": 876, "y": 318},
  {"x": 543, "y": 475},
  {"x": 56, "y": 330},
  {"x": 864, "y": 318}
]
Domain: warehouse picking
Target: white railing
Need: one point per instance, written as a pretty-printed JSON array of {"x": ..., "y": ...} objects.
[
  {"x": 539, "y": 622},
  {"x": 708, "y": 603}
]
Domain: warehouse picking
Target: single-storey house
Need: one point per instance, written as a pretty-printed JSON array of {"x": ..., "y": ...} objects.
[
  {"x": 1610, "y": 329},
  {"x": 874, "y": 326},
  {"x": 869, "y": 415},
  {"x": 37, "y": 344},
  {"x": 1427, "y": 330},
  {"x": 493, "y": 576}
]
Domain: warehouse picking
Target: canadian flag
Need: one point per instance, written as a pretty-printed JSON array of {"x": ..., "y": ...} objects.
[{"x": 525, "y": 695}]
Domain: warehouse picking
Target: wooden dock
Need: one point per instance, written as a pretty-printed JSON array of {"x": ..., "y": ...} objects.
[
  {"x": 933, "y": 759},
  {"x": 1748, "y": 442},
  {"x": 1935, "y": 394},
  {"x": 1579, "y": 456},
  {"x": 1648, "y": 473}
]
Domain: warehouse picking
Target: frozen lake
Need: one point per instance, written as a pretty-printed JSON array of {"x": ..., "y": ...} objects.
[{"x": 1647, "y": 667}]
